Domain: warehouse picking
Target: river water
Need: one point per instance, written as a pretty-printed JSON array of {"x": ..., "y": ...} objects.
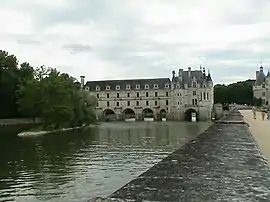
[{"x": 77, "y": 166}]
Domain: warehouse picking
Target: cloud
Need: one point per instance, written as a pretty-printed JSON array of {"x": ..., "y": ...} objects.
[{"x": 132, "y": 39}]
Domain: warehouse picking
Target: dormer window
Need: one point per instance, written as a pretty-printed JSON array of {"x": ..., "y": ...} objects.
[
  {"x": 97, "y": 88},
  {"x": 128, "y": 87},
  {"x": 87, "y": 88},
  {"x": 167, "y": 85},
  {"x": 178, "y": 85},
  {"x": 108, "y": 87},
  {"x": 146, "y": 86},
  {"x": 137, "y": 86},
  {"x": 117, "y": 87},
  {"x": 194, "y": 84},
  {"x": 155, "y": 86}
]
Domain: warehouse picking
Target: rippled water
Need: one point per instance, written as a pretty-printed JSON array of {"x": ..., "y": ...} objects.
[{"x": 77, "y": 166}]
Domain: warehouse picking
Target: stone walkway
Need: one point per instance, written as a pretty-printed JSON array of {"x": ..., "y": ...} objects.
[{"x": 260, "y": 131}]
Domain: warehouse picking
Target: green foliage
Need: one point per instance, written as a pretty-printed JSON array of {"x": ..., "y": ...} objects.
[
  {"x": 239, "y": 93},
  {"x": 42, "y": 93}
]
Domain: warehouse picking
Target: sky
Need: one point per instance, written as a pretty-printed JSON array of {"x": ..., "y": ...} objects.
[{"x": 126, "y": 39}]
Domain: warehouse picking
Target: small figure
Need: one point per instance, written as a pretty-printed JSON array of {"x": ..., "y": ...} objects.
[
  {"x": 268, "y": 114},
  {"x": 263, "y": 114},
  {"x": 254, "y": 112}
]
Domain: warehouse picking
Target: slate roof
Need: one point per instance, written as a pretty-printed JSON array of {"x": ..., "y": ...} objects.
[
  {"x": 260, "y": 79},
  {"x": 198, "y": 74},
  {"x": 161, "y": 82}
]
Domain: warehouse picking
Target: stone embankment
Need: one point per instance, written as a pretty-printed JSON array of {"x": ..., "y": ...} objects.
[
  {"x": 222, "y": 164},
  {"x": 10, "y": 122}
]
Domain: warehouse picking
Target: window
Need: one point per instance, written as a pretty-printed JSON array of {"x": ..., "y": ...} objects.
[
  {"x": 156, "y": 94},
  {"x": 167, "y": 85},
  {"x": 201, "y": 95},
  {"x": 117, "y": 95},
  {"x": 156, "y": 103},
  {"x": 204, "y": 96},
  {"x": 155, "y": 86},
  {"x": 137, "y": 103},
  {"x": 108, "y": 95},
  {"x": 117, "y": 104},
  {"x": 178, "y": 85},
  {"x": 196, "y": 102},
  {"x": 194, "y": 84},
  {"x": 128, "y": 87},
  {"x": 194, "y": 92},
  {"x": 87, "y": 88},
  {"x": 178, "y": 94},
  {"x": 167, "y": 102},
  {"x": 263, "y": 85},
  {"x": 138, "y": 94},
  {"x": 263, "y": 94},
  {"x": 207, "y": 95},
  {"x": 108, "y": 87},
  {"x": 128, "y": 103},
  {"x": 97, "y": 95},
  {"x": 178, "y": 103},
  {"x": 146, "y": 94},
  {"x": 117, "y": 87},
  {"x": 137, "y": 86},
  {"x": 108, "y": 104},
  {"x": 97, "y": 88},
  {"x": 146, "y": 86},
  {"x": 167, "y": 94},
  {"x": 97, "y": 104},
  {"x": 128, "y": 94},
  {"x": 146, "y": 102}
]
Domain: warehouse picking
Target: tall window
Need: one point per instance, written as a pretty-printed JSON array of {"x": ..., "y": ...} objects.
[
  {"x": 263, "y": 94},
  {"x": 146, "y": 94},
  {"x": 146, "y": 102},
  {"x": 117, "y": 104},
  {"x": 204, "y": 95},
  {"x": 156, "y": 103},
  {"x": 167, "y": 102},
  {"x": 196, "y": 102},
  {"x": 194, "y": 92},
  {"x": 128, "y": 103},
  {"x": 108, "y": 95},
  {"x": 207, "y": 95},
  {"x": 97, "y": 104},
  {"x": 117, "y": 95},
  {"x": 138, "y": 94},
  {"x": 97, "y": 95},
  {"x": 138, "y": 103},
  {"x": 167, "y": 94},
  {"x": 156, "y": 94},
  {"x": 194, "y": 84},
  {"x": 108, "y": 104},
  {"x": 128, "y": 94}
]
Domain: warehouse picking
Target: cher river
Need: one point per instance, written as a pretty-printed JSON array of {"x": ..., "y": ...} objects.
[{"x": 77, "y": 166}]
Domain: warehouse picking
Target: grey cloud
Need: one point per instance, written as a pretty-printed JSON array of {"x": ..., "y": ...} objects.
[{"x": 77, "y": 48}]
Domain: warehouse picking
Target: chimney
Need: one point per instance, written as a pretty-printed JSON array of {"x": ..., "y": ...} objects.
[
  {"x": 257, "y": 74},
  {"x": 180, "y": 75},
  {"x": 82, "y": 82},
  {"x": 189, "y": 72}
]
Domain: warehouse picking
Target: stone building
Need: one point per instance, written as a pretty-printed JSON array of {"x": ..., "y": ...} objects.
[
  {"x": 261, "y": 88},
  {"x": 175, "y": 99}
]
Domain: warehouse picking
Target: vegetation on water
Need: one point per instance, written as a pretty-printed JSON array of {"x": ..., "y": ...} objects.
[
  {"x": 45, "y": 93},
  {"x": 239, "y": 93}
]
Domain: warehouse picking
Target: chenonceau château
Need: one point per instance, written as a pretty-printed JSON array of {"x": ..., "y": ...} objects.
[
  {"x": 190, "y": 93},
  {"x": 261, "y": 89}
]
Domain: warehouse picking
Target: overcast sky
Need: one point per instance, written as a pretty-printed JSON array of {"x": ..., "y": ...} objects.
[{"x": 115, "y": 39}]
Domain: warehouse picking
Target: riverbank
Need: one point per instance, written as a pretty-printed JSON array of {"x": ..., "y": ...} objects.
[
  {"x": 221, "y": 164},
  {"x": 11, "y": 122}
]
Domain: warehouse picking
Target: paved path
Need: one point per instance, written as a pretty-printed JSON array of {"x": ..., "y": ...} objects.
[{"x": 260, "y": 131}]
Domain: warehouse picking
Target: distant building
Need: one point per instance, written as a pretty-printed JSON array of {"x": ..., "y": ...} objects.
[
  {"x": 261, "y": 88},
  {"x": 189, "y": 91}
]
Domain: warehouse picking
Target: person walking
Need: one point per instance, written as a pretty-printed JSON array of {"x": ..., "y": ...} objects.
[
  {"x": 254, "y": 112},
  {"x": 263, "y": 114},
  {"x": 268, "y": 114}
]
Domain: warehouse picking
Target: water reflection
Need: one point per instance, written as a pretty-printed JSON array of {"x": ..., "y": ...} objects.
[{"x": 75, "y": 166}]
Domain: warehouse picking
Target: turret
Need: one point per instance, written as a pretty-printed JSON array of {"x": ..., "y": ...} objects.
[
  {"x": 180, "y": 75},
  {"x": 82, "y": 82},
  {"x": 209, "y": 79},
  {"x": 189, "y": 72}
]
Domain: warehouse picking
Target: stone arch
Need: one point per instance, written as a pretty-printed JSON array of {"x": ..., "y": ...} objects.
[
  {"x": 188, "y": 114},
  {"x": 129, "y": 113},
  {"x": 109, "y": 115},
  {"x": 148, "y": 113},
  {"x": 163, "y": 113}
]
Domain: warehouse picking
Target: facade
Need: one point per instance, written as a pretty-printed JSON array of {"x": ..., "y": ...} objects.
[
  {"x": 175, "y": 99},
  {"x": 261, "y": 88}
]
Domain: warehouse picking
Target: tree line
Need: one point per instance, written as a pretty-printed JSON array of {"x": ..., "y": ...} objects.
[
  {"x": 44, "y": 93},
  {"x": 239, "y": 93}
]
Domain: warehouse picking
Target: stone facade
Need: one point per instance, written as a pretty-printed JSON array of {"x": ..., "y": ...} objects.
[
  {"x": 261, "y": 88},
  {"x": 175, "y": 99}
]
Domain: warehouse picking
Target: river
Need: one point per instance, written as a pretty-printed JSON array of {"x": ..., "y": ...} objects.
[{"x": 77, "y": 166}]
